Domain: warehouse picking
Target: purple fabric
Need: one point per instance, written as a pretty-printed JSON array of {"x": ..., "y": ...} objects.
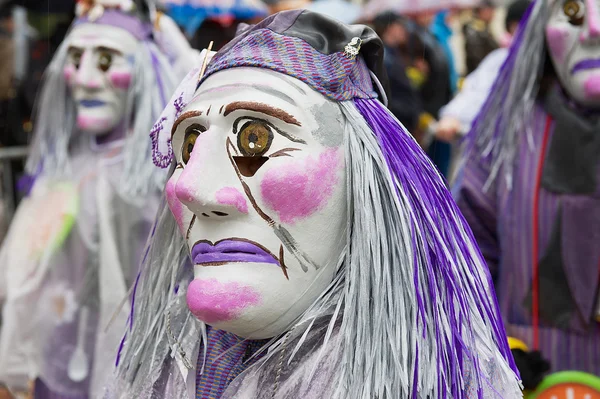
[
  {"x": 333, "y": 75},
  {"x": 428, "y": 195},
  {"x": 161, "y": 160},
  {"x": 502, "y": 221},
  {"x": 159, "y": 82},
  {"x": 227, "y": 355},
  {"x": 25, "y": 184},
  {"x": 132, "y": 24},
  {"x": 42, "y": 391}
]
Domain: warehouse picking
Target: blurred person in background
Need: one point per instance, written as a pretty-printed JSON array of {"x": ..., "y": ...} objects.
[
  {"x": 214, "y": 30},
  {"x": 441, "y": 29},
  {"x": 530, "y": 186},
  {"x": 479, "y": 41},
  {"x": 435, "y": 89},
  {"x": 31, "y": 33},
  {"x": 458, "y": 115},
  {"x": 73, "y": 247},
  {"x": 514, "y": 13},
  {"x": 404, "y": 101}
]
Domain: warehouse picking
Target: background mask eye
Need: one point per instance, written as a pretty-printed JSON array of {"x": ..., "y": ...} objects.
[
  {"x": 254, "y": 139},
  {"x": 75, "y": 56},
  {"x": 104, "y": 61},
  {"x": 575, "y": 10}
]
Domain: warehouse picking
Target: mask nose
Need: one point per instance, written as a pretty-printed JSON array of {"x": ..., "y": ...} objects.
[
  {"x": 592, "y": 21},
  {"x": 208, "y": 185},
  {"x": 88, "y": 75}
]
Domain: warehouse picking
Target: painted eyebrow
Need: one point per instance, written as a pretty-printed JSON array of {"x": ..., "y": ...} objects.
[
  {"x": 184, "y": 116},
  {"x": 263, "y": 109},
  {"x": 108, "y": 50},
  {"x": 99, "y": 48}
]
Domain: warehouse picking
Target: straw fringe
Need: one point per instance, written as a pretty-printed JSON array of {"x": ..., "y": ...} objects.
[
  {"x": 509, "y": 108},
  {"x": 413, "y": 299}
]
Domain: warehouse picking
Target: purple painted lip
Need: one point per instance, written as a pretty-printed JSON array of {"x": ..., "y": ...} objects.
[
  {"x": 92, "y": 103},
  {"x": 229, "y": 251},
  {"x": 585, "y": 65}
]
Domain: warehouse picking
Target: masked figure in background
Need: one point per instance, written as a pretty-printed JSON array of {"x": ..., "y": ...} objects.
[
  {"x": 328, "y": 260},
  {"x": 77, "y": 239},
  {"x": 530, "y": 188}
]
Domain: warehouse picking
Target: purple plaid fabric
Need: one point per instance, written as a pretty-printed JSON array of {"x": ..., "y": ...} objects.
[
  {"x": 226, "y": 357},
  {"x": 333, "y": 75},
  {"x": 42, "y": 391}
]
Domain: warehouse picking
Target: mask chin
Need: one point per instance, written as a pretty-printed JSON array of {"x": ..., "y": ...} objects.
[{"x": 97, "y": 124}]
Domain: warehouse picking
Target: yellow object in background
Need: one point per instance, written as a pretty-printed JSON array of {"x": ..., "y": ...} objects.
[
  {"x": 416, "y": 77},
  {"x": 514, "y": 343},
  {"x": 425, "y": 120}
]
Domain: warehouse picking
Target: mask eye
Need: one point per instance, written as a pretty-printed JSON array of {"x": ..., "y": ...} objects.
[
  {"x": 191, "y": 134},
  {"x": 254, "y": 139},
  {"x": 75, "y": 56},
  {"x": 575, "y": 11},
  {"x": 104, "y": 61}
]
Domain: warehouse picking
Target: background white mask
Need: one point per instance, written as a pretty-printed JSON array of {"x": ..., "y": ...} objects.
[
  {"x": 99, "y": 72},
  {"x": 573, "y": 37}
]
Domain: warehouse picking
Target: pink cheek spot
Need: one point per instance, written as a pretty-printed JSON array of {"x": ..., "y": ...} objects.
[
  {"x": 85, "y": 122},
  {"x": 302, "y": 188},
  {"x": 592, "y": 88},
  {"x": 557, "y": 42},
  {"x": 212, "y": 301},
  {"x": 120, "y": 80},
  {"x": 174, "y": 204},
  {"x": 68, "y": 73},
  {"x": 232, "y": 196}
]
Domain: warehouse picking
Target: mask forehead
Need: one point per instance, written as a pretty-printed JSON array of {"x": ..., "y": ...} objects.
[
  {"x": 316, "y": 113},
  {"x": 90, "y": 35}
]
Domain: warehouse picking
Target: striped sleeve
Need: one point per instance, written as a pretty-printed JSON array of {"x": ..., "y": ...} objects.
[{"x": 479, "y": 207}]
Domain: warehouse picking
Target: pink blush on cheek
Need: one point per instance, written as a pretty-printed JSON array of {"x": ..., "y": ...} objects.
[
  {"x": 592, "y": 87},
  {"x": 120, "y": 80},
  {"x": 212, "y": 301},
  {"x": 302, "y": 188},
  {"x": 232, "y": 196},
  {"x": 68, "y": 73},
  {"x": 557, "y": 43}
]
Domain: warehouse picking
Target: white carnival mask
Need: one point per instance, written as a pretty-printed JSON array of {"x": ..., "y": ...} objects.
[
  {"x": 573, "y": 37},
  {"x": 99, "y": 71},
  {"x": 259, "y": 192}
]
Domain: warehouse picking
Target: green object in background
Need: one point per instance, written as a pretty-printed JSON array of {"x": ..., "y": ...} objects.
[
  {"x": 566, "y": 378},
  {"x": 69, "y": 197},
  {"x": 45, "y": 24}
]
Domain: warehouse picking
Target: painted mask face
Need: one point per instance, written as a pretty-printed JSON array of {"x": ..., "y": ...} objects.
[
  {"x": 260, "y": 195},
  {"x": 573, "y": 37},
  {"x": 99, "y": 72}
]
